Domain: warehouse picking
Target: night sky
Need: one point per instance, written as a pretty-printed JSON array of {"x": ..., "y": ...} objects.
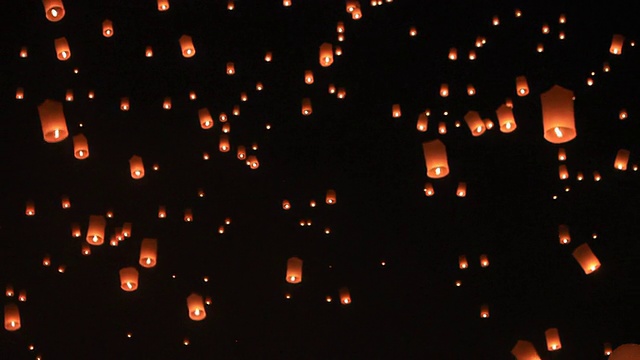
[{"x": 395, "y": 249}]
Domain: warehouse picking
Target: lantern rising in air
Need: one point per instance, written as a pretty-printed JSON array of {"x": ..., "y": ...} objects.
[
  {"x": 557, "y": 115},
  {"x": 294, "y": 270},
  {"x": 435, "y": 156}
]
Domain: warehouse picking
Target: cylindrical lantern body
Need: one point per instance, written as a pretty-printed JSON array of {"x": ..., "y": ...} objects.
[
  {"x": 444, "y": 90},
  {"x": 186, "y": 44},
  {"x": 124, "y": 104},
  {"x": 475, "y": 123},
  {"x": 563, "y": 234},
  {"x": 126, "y": 229},
  {"x": 505, "y": 119},
  {"x": 622, "y": 159},
  {"x": 242, "y": 152},
  {"x": 462, "y": 189},
  {"x": 62, "y": 49},
  {"x": 107, "y": 28},
  {"x": 557, "y": 115},
  {"x": 253, "y": 162},
  {"x": 148, "y": 253},
  {"x": 166, "y": 104},
  {"x": 129, "y": 279},
  {"x": 162, "y": 212},
  {"x": 522, "y": 88},
  {"x": 11, "y": 317},
  {"x": 484, "y": 260},
  {"x": 435, "y": 156},
  {"x": 326, "y": 54},
  {"x": 188, "y": 215},
  {"x": 206, "y": 121},
  {"x": 484, "y": 311},
  {"x": 53, "y": 10},
  {"x": 563, "y": 173},
  {"x": 462, "y": 262},
  {"x": 330, "y": 198},
  {"x": 95, "y": 231},
  {"x": 524, "y": 350},
  {"x": 80, "y": 147},
  {"x": 308, "y": 77},
  {"x": 294, "y": 270},
  {"x": 52, "y": 120},
  {"x": 423, "y": 122},
  {"x": 136, "y": 167},
  {"x": 553, "y": 339},
  {"x": 396, "y": 112},
  {"x": 306, "y": 106},
  {"x": 345, "y": 296},
  {"x": 30, "y": 208},
  {"x": 626, "y": 352},
  {"x": 586, "y": 258},
  {"x": 224, "y": 143},
  {"x": 231, "y": 68},
  {"x": 163, "y": 5},
  {"x": 428, "y": 189},
  {"x": 562, "y": 154},
  {"x": 286, "y": 205},
  {"x": 616, "y": 44},
  {"x": 195, "y": 304}
]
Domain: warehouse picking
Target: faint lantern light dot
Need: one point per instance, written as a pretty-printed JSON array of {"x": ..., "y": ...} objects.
[
  {"x": 445, "y": 113},
  {"x": 458, "y": 283},
  {"x": 555, "y": 197},
  {"x": 328, "y": 298},
  {"x": 173, "y": 276},
  {"x": 457, "y": 124},
  {"x": 31, "y": 347},
  {"x": 383, "y": 263},
  {"x": 129, "y": 335},
  {"x": 594, "y": 235},
  {"x": 287, "y": 296},
  {"x": 205, "y": 279},
  {"x": 567, "y": 189},
  {"x": 186, "y": 342},
  {"x": 75, "y": 71},
  {"x": 268, "y": 126}
]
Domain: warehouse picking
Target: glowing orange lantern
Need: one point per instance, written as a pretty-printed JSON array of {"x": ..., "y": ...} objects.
[
  {"x": 444, "y": 90},
  {"x": 124, "y": 104},
  {"x": 553, "y": 339},
  {"x": 148, "y": 253},
  {"x": 107, "y": 28},
  {"x": 428, "y": 189},
  {"x": 11, "y": 317},
  {"x": 484, "y": 261},
  {"x": 231, "y": 68},
  {"x": 162, "y": 212},
  {"x": 622, "y": 159},
  {"x": 195, "y": 304},
  {"x": 423, "y": 122},
  {"x": 484, "y": 311},
  {"x": 506, "y": 119},
  {"x": 563, "y": 173},
  {"x": 166, "y": 104},
  {"x": 19, "y": 93},
  {"x": 308, "y": 77},
  {"x": 53, "y": 10},
  {"x": 75, "y": 230},
  {"x": 471, "y": 90},
  {"x": 268, "y": 56},
  {"x": 66, "y": 204},
  {"x": 435, "y": 155},
  {"x": 557, "y": 115},
  {"x": 562, "y": 154},
  {"x": 563, "y": 234},
  {"x": 330, "y": 197},
  {"x": 475, "y": 123},
  {"x": 462, "y": 262},
  {"x": 242, "y": 153},
  {"x": 163, "y": 5},
  {"x": 224, "y": 143},
  {"x": 616, "y": 44},
  {"x": 69, "y": 95},
  {"x": 294, "y": 270},
  {"x": 129, "y": 279},
  {"x": 395, "y": 111},
  {"x": 188, "y": 215},
  {"x": 453, "y": 54},
  {"x": 126, "y": 229},
  {"x": 95, "y": 232},
  {"x": 206, "y": 121},
  {"x": 80, "y": 147},
  {"x": 462, "y": 189},
  {"x": 524, "y": 350},
  {"x": 186, "y": 44},
  {"x": 586, "y": 258},
  {"x": 286, "y": 205},
  {"x": 53, "y": 122},
  {"x": 9, "y": 290},
  {"x": 522, "y": 88},
  {"x": 340, "y": 27},
  {"x": 345, "y": 296},
  {"x": 306, "y": 107},
  {"x": 607, "y": 349},
  {"x": 326, "y": 54},
  {"x": 22, "y": 296},
  {"x": 136, "y": 167},
  {"x": 30, "y": 208}
]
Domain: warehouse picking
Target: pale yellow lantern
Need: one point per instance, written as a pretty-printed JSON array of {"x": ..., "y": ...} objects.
[
  {"x": 95, "y": 231},
  {"x": 616, "y": 44},
  {"x": 107, "y": 28},
  {"x": 622, "y": 159},
  {"x": 294, "y": 270},
  {"x": 80, "y": 147},
  {"x": 148, "y": 253},
  {"x": 553, "y": 339},
  {"x": 506, "y": 119},
  {"x": 53, "y": 122},
  {"x": 53, "y": 10},
  {"x": 136, "y": 167},
  {"x": 475, "y": 123},
  {"x": 435, "y": 156},
  {"x": 330, "y": 198},
  {"x": 522, "y": 87},
  {"x": 586, "y": 258},
  {"x": 129, "y": 279},
  {"x": 557, "y": 115},
  {"x": 11, "y": 317},
  {"x": 186, "y": 45},
  {"x": 195, "y": 304}
]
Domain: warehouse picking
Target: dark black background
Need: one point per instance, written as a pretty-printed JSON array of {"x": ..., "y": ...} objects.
[{"x": 406, "y": 309}]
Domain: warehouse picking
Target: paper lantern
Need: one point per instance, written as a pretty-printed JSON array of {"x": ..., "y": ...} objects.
[
  {"x": 557, "y": 115},
  {"x": 484, "y": 311},
  {"x": 231, "y": 68},
  {"x": 484, "y": 261},
  {"x": 475, "y": 123},
  {"x": 163, "y": 5},
  {"x": 46, "y": 260},
  {"x": 495, "y": 20},
  {"x": 330, "y": 198},
  {"x": 53, "y": 122},
  {"x": 428, "y": 189},
  {"x": 11, "y": 317},
  {"x": 563, "y": 173},
  {"x": 472, "y": 55},
  {"x": 286, "y": 205},
  {"x": 563, "y": 234},
  {"x": 241, "y": 153},
  {"x": 586, "y": 258},
  {"x": 562, "y": 154},
  {"x": 186, "y": 44},
  {"x": 162, "y": 212},
  {"x": 53, "y": 10},
  {"x": 444, "y": 90},
  {"x": 80, "y": 147},
  {"x": 224, "y": 143},
  {"x": 345, "y": 296},
  {"x": 596, "y": 176},
  {"x": 626, "y": 352},
  {"x": 340, "y": 27},
  {"x": 136, "y": 167},
  {"x": 206, "y": 121},
  {"x": 22, "y": 296},
  {"x": 396, "y": 112},
  {"x": 488, "y": 124},
  {"x": 107, "y": 28},
  {"x": 356, "y": 14},
  {"x": 148, "y": 253},
  {"x": 326, "y": 54},
  {"x": 342, "y": 93},
  {"x": 286, "y": 3},
  {"x": 192, "y": 95},
  {"x": 607, "y": 349},
  {"x": 553, "y": 339},
  {"x": 294, "y": 270},
  {"x": 423, "y": 122},
  {"x": 9, "y": 290},
  {"x": 129, "y": 279},
  {"x": 435, "y": 156},
  {"x": 622, "y": 159},
  {"x": 223, "y": 117},
  {"x": 268, "y": 56},
  {"x": 306, "y": 107},
  {"x": 522, "y": 88},
  {"x": 621, "y": 115},
  {"x": 30, "y": 208},
  {"x": 616, "y": 44},
  {"x": 462, "y": 262},
  {"x": 66, "y": 204},
  {"x": 462, "y": 189},
  {"x": 124, "y": 104},
  {"x": 95, "y": 231},
  {"x": 524, "y": 350},
  {"x": 442, "y": 127},
  {"x": 126, "y": 229},
  {"x": 75, "y": 230},
  {"x": 471, "y": 90},
  {"x": 19, "y": 93},
  {"x": 188, "y": 215},
  {"x": 166, "y": 104},
  {"x": 195, "y": 304},
  {"x": 505, "y": 119},
  {"x": 453, "y": 54},
  {"x": 69, "y": 95}
]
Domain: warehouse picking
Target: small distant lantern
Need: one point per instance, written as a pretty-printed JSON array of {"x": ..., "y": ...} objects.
[
  {"x": 223, "y": 117},
  {"x": 53, "y": 122},
  {"x": 53, "y": 10},
  {"x": 268, "y": 56},
  {"x": 11, "y": 317},
  {"x": 423, "y": 122},
  {"x": 395, "y": 111},
  {"x": 69, "y": 95},
  {"x": 224, "y": 143},
  {"x": 345, "y": 296},
  {"x": 471, "y": 91},
  {"x": 597, "y": 176},
  {"x": 484, "y": 311},
  {"x": 91, "y": 94},
  {"x": 495, "y": 20},
  {"x": 586, "y": 258},
  {"x": 563, "y": 234},
  {"x": 553, "y": 339},
  {"x": 557, "y": 115},
  {"x": 540, "y": 47},
  {"x": 195, "y": 304},
  {"x": 413, "y": 31},
  {"x": 330, "y": 198},
  {"x": 563, "y": 173},
  {"x": 312, "y": 203},
  {"x": 186, "y": 44},
  {"x": 242, "y": 152},
  {"x": 9, "y": 290},
  {"x": 188, "y": 215},
  {"x": 286, "y": 3},
  {"x": 30, "y": 208},
  {"x": 259, "y": 86},
  {"x": 294, "y": 270},
  {"x": 166, "y": 104},
  {"x": 484, "y": 261},
  {"x": 326, "y": 54},
  {"x": 162, "y": 212},
  {"x": 453, "y": 54},
  {"x": 475, "y": 123},
  {"x": 306, "y": 107},
  {"x": 124, "y": 104},
  {"x": 206, "y": 121},
  {"x": 616, "y": 44},
  {"x": 562, "y": 154},
  {"x": 148, "y": 252},
  {"x": 622, "y": 159},
  {"x": 192, "y": 95},
  {"x": 80, "y": 147},
  {"x": 356, "y": 14},
  {"x": 462, "y": 189},
  {"x": 606, "y": 67},
  {"x": 472, "y": 55},
  {"x": 243, "y": 96},
  {"x": 19, "y": 93},
  {"x": 308, "y": 77},
  {"x": 286, "y": 205},
  {"x": 488, "y": 124},
  {"x": 444, "y": 90},
  {"x": 126, "y": 229},
  {"x": 129, "y": 279},
  {"x": 46, "y": 260},
  {"x": 428, "y": 189},
  {"x": 342, "y": 93},
  {"x": 163, "y": 5},
  {"x": 579, "y": 176},
  {"x": 435, "y": 155},
  {"x": 607, "y": 349},
  {"x": 442, "y": 127},
  {"x": 506, "y": 119},
  {"x": 136, "y": 167},
  {"x": 24, "y": 52},
  {"x": 75, "y": 230},
  {"x": 95, "y": 231},
  {"x": 66, "y": 203},
  {"x": 107, "y": 28},
  {"x": 522, "y": 88},
  {"x": 340, "y": 27},
  {"x": 524, "y": 350},
  {"x": 623, "y": 114},
  {"x": 231, "y": 68},
  {"x": 22, "y": 296},
  {"x": 462, "y": 262}
]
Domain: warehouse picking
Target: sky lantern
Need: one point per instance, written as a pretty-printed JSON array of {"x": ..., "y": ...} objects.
[
  {"x": 597, "y": 176},
  {"x": 11, "y": 317},
  {"x": 195, "y": 304},
  {"x": 462, "y": 262},
  {"x": 616, "y": 44},
  {"x": 75, "y": 230},
  {"x": 163, "y": 5},
  {"x": 471, "y": 90},
  {"x": 586, "y": 258},
  {"x": 268, "y": 56},
  {"x": 553, "y": 339},
  {"x": 286, "y": 205},
  {"x": 462, "y": 189},
  {"x": 129, "y": 279},
  {"x": 330, "y": 198},
  {"x": 306, "y": 106},
  {"x": 557, "y": 115},
  {"x": 423, "y": 122},
  {"x": 148, "y": 252},
  {"x": 9, "y": 290},
  {"x": 505, "y": 119},
  {"x": 19, "y": 93},
  {"x": 428, "y": 189},
  {"x": 68, "y": 95},
  {"x": 396, "y": 112},
  {"x": 188, "y": 215},
  {"x": 53, "y": 10},
  {"x": 484, "y": 311},
  {"x": 53, "y": 122},
  {"x": 294, "y": 270},
  {"x": 30, "y": 208},
  {"x": 286, "y": 3},
  {"x": 442, "y": 127},
  {"x": 444, "y": 90},
  {"x": 484, "y": 261},
  {"x": 22, "y": 295},
  {"x": 621, "y": 115},
  {"x": 308, "y": 77},
  {"x": 342, "y": 93},
  {"x": 162, "y": 212},
  {"x": 607, "y": 349},
  {"x": 242, "y": 152},
  {"x": 622, "y": 159},
  {"x": 126, "y": 229},
  {"x": 24, "y": 52},
  {"x": 435, "y": 156},
  {"x": 136, "y": 167},
  {"x": 166, "y": 104},
  {"x": 562, "y": 154},
  {"x": 563, "y": 234},
  {"x": 107, "y": 28},
  {"x": 352, "y": 5},
  {"x": 326, "y": 54},
  {"x": 563, "y": 173},
  {"x": 475, "y": 123},
  {"x": 231, "y": 68},
  {"x": 80, "y": 147},
  {"x": 186, "y": 45},
  {"x": 340, "y": 27},
  {"x": 124, "y": 104},
  {"x": 356, "y": 14},
  {"x": 65, "y": 202},
  {"x": 472, "y": 55},
  {"x": 524, "y": 350},
  {"x": 345, "y": 296},
  {"x": 223, "y": 117},
  {"x": 522, "y": 88},
  {"x": 453, "y": 54},
  {"x": 95, "y": 231},
  {"x": 224, "y": 143},
  {"x": 626, "y": 352}
]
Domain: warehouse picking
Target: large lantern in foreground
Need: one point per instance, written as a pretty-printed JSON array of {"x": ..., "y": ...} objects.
[
  {"x": 129, "y": 279},
  {"x": 553, "y": 339},
  {"x": 524, "y": 350},
  {"x": 294, "y": 270},
  {"x": 557, "y": 115},
  {"x": 54, "y": 125},
  {"x": 195, "y": 303},
  {"x": 586, "y": 258},
  {"x": 148, "y": 253},
  {"x": 11, "y": 317},
  {"x": 53, "y": 10},
  {"x": 435, "y": 157}
]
